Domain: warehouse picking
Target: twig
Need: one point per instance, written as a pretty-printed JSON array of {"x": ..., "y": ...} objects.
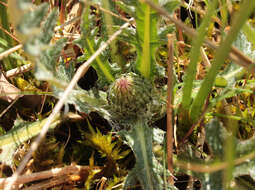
[
  {"x": 179, "y": 32},
  {"x": 43, "y": 100},
  {"x": 42, "y": 175},
  {"x": 68, "y": 35},
  {"x": 210, "y": 168},
  {"x": 3, "y": 3},
  {"x": 56, "y": 172},
  {"x": 170, "y": 107},
  {"x": 80, "y": 72},
  {"x": 9, "y": 106},
  {"x": 182, "y": 43},
  {"x": 68, "y": 138},
  {"x": 49, "y": 183},
  {"x": 102, "y": 183},
  {"x": 9, "y": 51},
  {"x": 108, "y": 11},
  {"x": 204, "y": 57},
  {"x": 113, "y": 14},
  {"x": 67, "y": 23},
  {"x": 18, "y": 70},
  {"x": 199, "y": 11},
  {"x": 118, "y": 186},
  {"x": 235, "y": 55},
  {"x": 10, "y": 34}
]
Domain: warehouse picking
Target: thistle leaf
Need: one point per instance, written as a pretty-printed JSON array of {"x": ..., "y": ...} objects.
[
  {"x": 46, "y": 66},
  {"x": 84, "y": 101},
  {"x": 146, "y": 170},
  {"x": 90, "y": 31},
  {"x": 214, "y": 137},
  {"x": 21, "y": 132},
  {"x": 210, "y": 180}
]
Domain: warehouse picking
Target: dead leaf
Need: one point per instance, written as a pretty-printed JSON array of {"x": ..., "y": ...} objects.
[{"x": 8, "y": 91}]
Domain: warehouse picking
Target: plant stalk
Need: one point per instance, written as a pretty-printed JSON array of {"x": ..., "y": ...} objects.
[
  {"x": 169, "y": 134},
  {"x": 194, "y": 56}
]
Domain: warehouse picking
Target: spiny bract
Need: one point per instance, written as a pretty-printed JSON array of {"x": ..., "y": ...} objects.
[{"x": 129, "y": 97}]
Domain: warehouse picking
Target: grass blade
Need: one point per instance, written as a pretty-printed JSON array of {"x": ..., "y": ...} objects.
[
  {"x": 221, "y": 54},
  {"x": 4, "y": 23},
  {"x": 194, "y": 56}
]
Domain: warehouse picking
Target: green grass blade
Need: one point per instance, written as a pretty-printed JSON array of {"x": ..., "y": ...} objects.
[
  {"x": 4, "y": 23},
  {"x": 109, "y": 23},
  {"x": 221, "y": 54},
  {"x": 146, "y": 22},
  {"x": 249, "y": 32},
  {"x": 194, "y": 56},
  {"x": 229, "y": 156},
  {"x": 223, "y": 13}
]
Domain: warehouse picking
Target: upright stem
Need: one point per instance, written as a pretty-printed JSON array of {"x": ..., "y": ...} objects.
[
  {"x": 169, "y": 107},
  {"x": 143, "y": 143}
]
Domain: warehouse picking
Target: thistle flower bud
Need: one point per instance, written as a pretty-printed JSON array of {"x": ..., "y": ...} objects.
[{"x": 129, "y": 97}]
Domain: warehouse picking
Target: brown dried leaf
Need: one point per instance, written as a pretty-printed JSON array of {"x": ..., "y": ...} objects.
[
  {"x": 76, "y": 11},
  {"x": 8, "y": 91}
]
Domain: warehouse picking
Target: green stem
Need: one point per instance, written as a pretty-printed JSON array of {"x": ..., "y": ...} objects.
[
  {"x": 194, "y": 56},
  {"x": 220, "y": 56},
  {"x": 141, "y": 134}
]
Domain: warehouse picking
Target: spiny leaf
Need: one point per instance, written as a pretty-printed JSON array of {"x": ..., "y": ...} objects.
[
  {"x": 210, "y": 180},
  {"x": 214, "y": 137},
  {"x": 48, "y": 27},
  {"x": 244, "y": 45},
  {"x": 21, "y": 132},
  {"x": 31, "y": 22},
  {"x": 46, "y": 66},
  {"x": 84, "y": 101},
  {"x": 147, "y": 169},
  {"x": 90, "y": 31},
  {"x": 246, "y": 168}
]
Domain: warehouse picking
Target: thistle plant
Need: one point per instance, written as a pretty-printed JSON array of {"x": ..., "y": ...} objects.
[{"x": 127, "y": 94}]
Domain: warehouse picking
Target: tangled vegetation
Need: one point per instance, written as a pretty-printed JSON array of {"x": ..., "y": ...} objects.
[{"x": 127, "y": 94}]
